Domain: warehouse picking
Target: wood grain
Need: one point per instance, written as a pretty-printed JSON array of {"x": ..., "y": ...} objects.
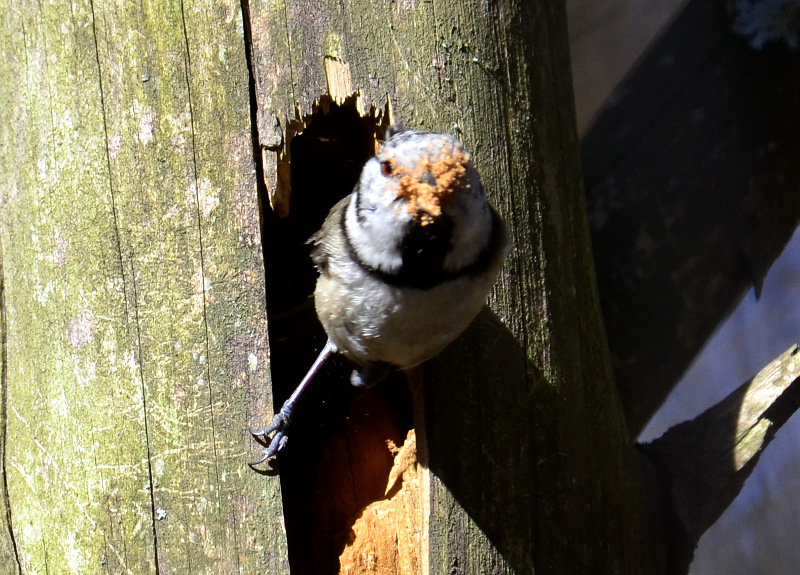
[{"x": 134, "y": 290}]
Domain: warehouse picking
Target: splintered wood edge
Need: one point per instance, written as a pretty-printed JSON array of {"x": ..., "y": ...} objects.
[
  {"x": 276, "y": 159},
  {"x": 340, "y": 86},
  {"x": 391, "y": 535}
]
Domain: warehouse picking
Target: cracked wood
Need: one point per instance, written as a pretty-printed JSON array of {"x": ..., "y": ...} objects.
[{"x": 136, "y": 329}]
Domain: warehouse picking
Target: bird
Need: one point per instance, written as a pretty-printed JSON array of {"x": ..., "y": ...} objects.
[{"x": 406, "y": 262}]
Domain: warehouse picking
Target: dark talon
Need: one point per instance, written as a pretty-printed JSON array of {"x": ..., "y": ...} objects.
[
  {"x": 278, "y": 442},
  {"x": 279, "y": 426},
  {"x": 281, "y": 420}
]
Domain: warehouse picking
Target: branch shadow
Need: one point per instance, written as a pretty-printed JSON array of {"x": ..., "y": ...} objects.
[
  {"x": 698, "y": 467},
  {"x": 479, "y": 428}
]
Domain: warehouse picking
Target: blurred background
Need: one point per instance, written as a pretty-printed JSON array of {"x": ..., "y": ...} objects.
[{"x": 757, "y": 533}]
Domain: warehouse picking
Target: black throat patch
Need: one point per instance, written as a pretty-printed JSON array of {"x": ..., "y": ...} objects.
[{"x": 423, "y": 251}]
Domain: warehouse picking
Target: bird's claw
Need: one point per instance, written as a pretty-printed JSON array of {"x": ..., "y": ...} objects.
[
  {"x": 279, "y": 426},
  {"x": 280, "y": 423}
]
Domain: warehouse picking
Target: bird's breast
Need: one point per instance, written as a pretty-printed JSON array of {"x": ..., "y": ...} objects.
[{"x": 369, "y": 320}]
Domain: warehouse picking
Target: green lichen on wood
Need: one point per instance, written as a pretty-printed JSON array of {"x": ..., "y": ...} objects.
[{"x": 134, "y": 290}]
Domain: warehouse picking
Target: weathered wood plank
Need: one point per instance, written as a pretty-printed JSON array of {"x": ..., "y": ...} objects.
[
  {"x": 134, "y": 292},
  {"x": 76, "y": 447}
]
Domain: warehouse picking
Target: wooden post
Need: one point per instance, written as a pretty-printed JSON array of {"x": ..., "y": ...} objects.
[
  {"x": 518, "y": 422},
  {"x": 133, "y": 317}
]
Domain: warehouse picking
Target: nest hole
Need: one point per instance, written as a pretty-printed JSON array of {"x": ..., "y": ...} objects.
[{"x": 337, "y": 461}]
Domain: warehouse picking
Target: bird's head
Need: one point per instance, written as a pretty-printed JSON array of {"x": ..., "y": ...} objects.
[{"x": 419, "y": 207}]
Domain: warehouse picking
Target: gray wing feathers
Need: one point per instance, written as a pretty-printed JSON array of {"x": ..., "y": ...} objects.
[{"x": 328, "y": 235}]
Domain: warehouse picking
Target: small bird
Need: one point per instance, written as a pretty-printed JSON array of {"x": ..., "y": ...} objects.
[{"x": 405, "y": 262}]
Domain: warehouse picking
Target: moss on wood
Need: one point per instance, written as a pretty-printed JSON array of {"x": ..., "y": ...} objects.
[{"x": 134, "y": 292}]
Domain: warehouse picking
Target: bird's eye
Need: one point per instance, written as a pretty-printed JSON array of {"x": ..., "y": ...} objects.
[{"x": 386, "y": 168}]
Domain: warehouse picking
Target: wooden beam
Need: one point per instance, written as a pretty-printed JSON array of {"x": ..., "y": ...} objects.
[
  {"x": 691, "y": 183},
  {"x": 512, "y": 412}
]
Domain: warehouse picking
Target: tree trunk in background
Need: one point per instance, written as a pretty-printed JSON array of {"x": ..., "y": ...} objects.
[{"x": 134, "y": 330}]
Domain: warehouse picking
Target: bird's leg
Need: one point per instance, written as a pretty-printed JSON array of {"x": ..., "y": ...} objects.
[{"x": 280, "y": 423}]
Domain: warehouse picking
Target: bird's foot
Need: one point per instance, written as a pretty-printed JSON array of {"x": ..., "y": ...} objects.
[
  {"x": 280, "y": 423},
  {"x": 272, "y": 445}
]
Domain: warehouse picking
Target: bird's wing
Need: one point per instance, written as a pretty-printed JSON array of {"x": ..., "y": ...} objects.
[{"x": 323, "y": 240}]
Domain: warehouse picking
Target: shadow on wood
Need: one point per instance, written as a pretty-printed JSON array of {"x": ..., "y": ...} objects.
[{"x": 478, "y": 428}]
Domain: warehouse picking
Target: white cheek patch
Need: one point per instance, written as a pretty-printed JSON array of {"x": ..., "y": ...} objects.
[{"x": 376, "y": 238}]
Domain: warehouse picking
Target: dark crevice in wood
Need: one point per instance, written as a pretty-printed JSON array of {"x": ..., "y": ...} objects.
[
  {"x": 131, "y": 300},
  {"x": 251, "y": 84},
  {"x": 4, "y": 416},
  {"x": 201, "y": 246}
]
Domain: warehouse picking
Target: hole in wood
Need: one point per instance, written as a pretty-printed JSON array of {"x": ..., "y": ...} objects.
[{"x": 337, "y": 461}]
